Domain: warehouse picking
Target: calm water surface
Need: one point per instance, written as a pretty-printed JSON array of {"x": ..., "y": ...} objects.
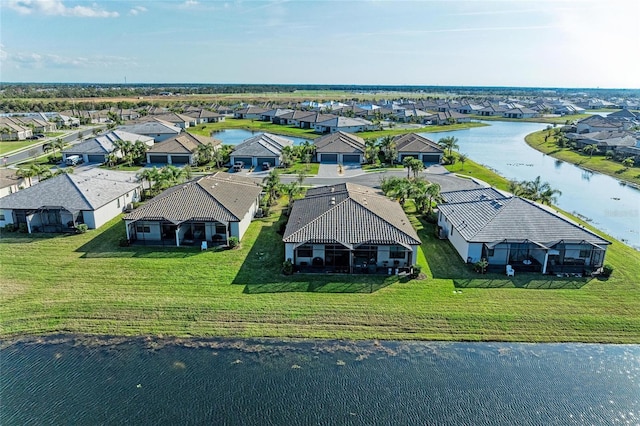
[
  {"x": 601, "y": 200},
  {"x": 70, "y": 381}
]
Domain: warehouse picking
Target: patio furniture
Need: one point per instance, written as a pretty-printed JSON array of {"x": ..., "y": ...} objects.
[
  {"x": 510, "y": 271},
  {"x": 204, "y": 245}
]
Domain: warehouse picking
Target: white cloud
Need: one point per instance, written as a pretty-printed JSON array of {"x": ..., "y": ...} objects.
[
  {"x": 190, "y": 3},
  {"x": 35, "y": 60},
  {"x": 58, "y": 8},
  {"x": 137, "y": 10}
]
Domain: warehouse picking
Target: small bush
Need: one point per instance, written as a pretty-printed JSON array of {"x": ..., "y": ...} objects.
[
  {"x": 287, "y": 267},
  {"x": 82, "y": 228},
  {"x": 233, "y": 242},
  {"x": 23, "y": 228},
  {"x": 607, "y": 270},
  {"x": 10, "y": 227},
  {"x": 124, "y": 242},
  {"x": 415, "y": 271}
]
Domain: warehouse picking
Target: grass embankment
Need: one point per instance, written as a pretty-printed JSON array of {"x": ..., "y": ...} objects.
[
  {"x": 597, "y": 163},
  {"x": 10, "y": 146},
  {"x": 88, "y": 284},
  {"x": 551, "y": 120}
]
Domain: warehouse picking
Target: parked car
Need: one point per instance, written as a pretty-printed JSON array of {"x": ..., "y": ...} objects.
[
  {"x": 73, "y": 160},
  {"x": 266, "y": 165},
  {"x": 238, "y": 165}
]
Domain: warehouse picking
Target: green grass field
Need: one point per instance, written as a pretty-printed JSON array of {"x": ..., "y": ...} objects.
[
  {"x": 88, "y": 284},
  {"x": 9, "y": 146},
  {"x": 596, "y": 163}
]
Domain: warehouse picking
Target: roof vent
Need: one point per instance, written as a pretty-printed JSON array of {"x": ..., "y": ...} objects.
[{"x": 333, "y": 189}]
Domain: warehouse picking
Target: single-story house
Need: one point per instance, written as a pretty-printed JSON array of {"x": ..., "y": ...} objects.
[
  {"x": 254, "y": 113},
  {"x": 180, "y": 149},
  {"x": 259, "y": 149},
  {"x": 446, "y": 117},
  {"x": 212, "y": 208},
  {"x": 492, "y": 110},
  {"x": 596, "y": 123},
  {"x": 159, "y": 130},
  {"x": 411, "y": 115},
  {"x": 310, "y": 121},
  {"x": 275, "y": 115},
  {"x": 508, "y": 230},
  {"x": 520, "y": 113},
  {"x": 349, "y": 228},
  {"x": 344, "y": 124},
  {"x": 202, "y": 115},
  {"x": 293, "y": 117},
  {"x": 416, "y": 146},
  {"x": 10, "y": 183},
  {"x": 10, "y": 131},
  {"x": 179, "y": 120},
  {"x": 96, "y": 150},
  {"x": 92, "y": 197},
  {"x": 340, "y": 147}
]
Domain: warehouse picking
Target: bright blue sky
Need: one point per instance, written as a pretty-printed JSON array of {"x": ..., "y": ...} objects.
[{"x": 486, "y": 43}]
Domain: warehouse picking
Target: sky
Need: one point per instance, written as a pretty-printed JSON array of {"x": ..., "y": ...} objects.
[{"x": 579, "y": 43}]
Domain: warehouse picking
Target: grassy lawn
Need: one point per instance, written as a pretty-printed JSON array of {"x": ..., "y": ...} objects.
[
  {"x": 551, "y": 120},
  {"x": 88, "y": 284},
  {"x": 310, "y": 169},
  {"x": 596, "y": 163},
  {"x": 9, "y": 146},
  {"x": 424, "y": 129}
]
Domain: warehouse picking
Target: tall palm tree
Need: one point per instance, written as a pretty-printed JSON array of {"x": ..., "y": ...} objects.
[
  {"x": 271, "y": 185},
  {"x": 291, "y": 190},
  {"x": 433, "y": 196},
  {"x": 397, "y": 188},
  {"x": 590, "y": 149},
  {"x": 371, "y": 150},
  {"x": 57, "y": 144},
  {"x": 27, "y": 173},
  {"x": 389, "y": 150},
  {"x": 449, "y": 143},
  {"x": 462, "y": 158},
  {"x": 149, "y": 175},
  {"x": 549, "y": 195},
  {"x": 204, "y": 153}
]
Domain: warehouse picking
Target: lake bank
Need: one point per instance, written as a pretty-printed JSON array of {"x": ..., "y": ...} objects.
[
  {"x": 597, "y": 163},
  {"x": 183, "y": 292}
]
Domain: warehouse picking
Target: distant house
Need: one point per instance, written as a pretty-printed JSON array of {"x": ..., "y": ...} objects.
[
  {"x": 182, "y": 121},
  {"x": 349, "y": 228},
  {"x": 343, "y": 124},
  {"x": 159, "y": 130},
  {"x": 607, "y": 140},
  {"x": 254, "y": 113},
  {"x": 202, "y": 115},
  {"x": 410, "y": 115},
  {"x": 340, "y": 147},
  {"x": 210, "y": 209},
  {"x": 275, "y": 116},
  {"x": 519, "y": 113},
  {"x": 259, "y": 149},
  {"x": 505, "y": 230},
  {"x": 625, "y": 114},
  {"x": 492, "y": 110},
  {"x": 310, "y": 121},
  {"x": 293, "y": 117},
  {"x": 10, "y": 131},
  {"x": 180, "y": 149},
  {"x": 96, "y": 150},
  {"x": 469, "y": 108},
  {"x": 92, "y": 197},
  {"x": 596, "y": 123},
  {"x": 10, "y": 183},
  {"x": 416, "y": 146}
]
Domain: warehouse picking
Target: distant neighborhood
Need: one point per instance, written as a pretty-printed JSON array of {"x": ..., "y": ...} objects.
[{"x": 338, "y": 228}]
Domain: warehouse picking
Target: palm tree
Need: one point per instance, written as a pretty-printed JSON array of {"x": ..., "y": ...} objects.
[
  {"x": 449, "y": 143},
  {"x": 388, "y": 148},
  {"x": 413, "y": 165},
  {"x": 397, "y": 188},
  {"x": 149, "y": 175},
  {"x": 549, "y": 195},
  {"x": 590, "y": 149},
  {"x": 370, "y": 150},
  {"x": 287, "y": 156},
  {"x": 433, "y": 196},
  {"x": 628, "y": 162},
  {"x": 57, "y": 144},
  {"x": 291, "y": 190},
  {"x": 139, "y": 152},
  {"x": 516, "y": 187},
  {"x": 204, "y": 153},
  {"x": 26, "y": 174},
  {"x": 462, "y": 158},
  {"x": 41, "y": 172},
  {"x": 271, "y": 185}
]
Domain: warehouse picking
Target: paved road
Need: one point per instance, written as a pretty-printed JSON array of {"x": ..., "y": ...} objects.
[{"x": 36, "y": 150}]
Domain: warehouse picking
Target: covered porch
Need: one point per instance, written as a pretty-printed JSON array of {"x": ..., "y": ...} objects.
[
  {"x": 348, "y": 259},
  {"x": 164, "y": 232},
  {"x": 557, "y": 257},
  {"x": 50, "y": 219}
]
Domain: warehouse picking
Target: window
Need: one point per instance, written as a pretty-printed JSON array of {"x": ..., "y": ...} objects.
[
  {"x": 143, "y": 228},
  {"x": 396, "y": 252},
  {"x": 221, "y": 229},
  {"x": 1, "y": 215},
  {"x": 585, "y": 253},
  {"x": 305, "y": 251},
  {"x": 490, "y": 252}
]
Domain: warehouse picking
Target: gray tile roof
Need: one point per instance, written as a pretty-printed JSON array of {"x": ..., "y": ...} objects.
[
  {"x": 220, "y": 196},
  {"x": 81, "y": 191},
  {"x": 262, "y": 145},
  {"x": 184, "y": 143},
  {"x": 475, "y": 194},
  {"x": 104, "y": 144},
  {"x": 339, "y": 142},
  {"x": 412, "y": 142},
  {"x": 348, "y": 214},
  {"x": 344, "y": 122},
  {"x": 151, "y": 128},
  {"x": 514, "y": 219}
]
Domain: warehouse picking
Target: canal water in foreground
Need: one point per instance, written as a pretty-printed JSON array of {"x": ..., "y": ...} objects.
[{"x": 72, "y": 380}]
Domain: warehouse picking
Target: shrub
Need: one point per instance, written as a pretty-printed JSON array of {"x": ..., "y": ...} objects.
[
  {"x": 415, "y": 271},
  {"x": 233, "y": 242},
  {"x": 10, "y": 227},
  {"x": 607, "y": 270},
  {"x": 124, "y": 242},
  {"x": 23, "y": 228},
  {"x": 81, "y": 228},
  {"x": 481, "y": 266},
  {"x": 287, "y": 267}
]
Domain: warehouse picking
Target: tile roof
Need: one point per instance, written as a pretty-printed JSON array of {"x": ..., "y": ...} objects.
[
  {"x": 262, "y": 145},
  {"x": 184, "y": 143},
  {"x": 220, "y": 196},
  {"x": 151, "y": 127},
  {"x": 79, "y": 191},
  {"x": 412, "y": 142},
  {"x": 348, "y": 214},
  {"x": 339, "y": 142},
  {"x": 104, "y": 144},
  {"x": 475, "y": 194},
  {"x": 514, "y": 219}
]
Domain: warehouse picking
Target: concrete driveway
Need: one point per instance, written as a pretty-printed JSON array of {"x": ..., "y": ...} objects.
[{"x": 331, "y": 170}]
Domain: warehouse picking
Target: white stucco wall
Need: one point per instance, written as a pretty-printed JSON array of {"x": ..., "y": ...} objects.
[
  {"x": 8, "y": 217},
  {"x": 243, "y": 225},
  {"x": 110, "y": 210}
]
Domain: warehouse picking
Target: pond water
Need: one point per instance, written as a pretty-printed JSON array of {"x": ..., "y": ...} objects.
[
  {"x": 599, "y": 199},
  {"x": 63, "y": 380},
  {"x": 236, "y": 136}
]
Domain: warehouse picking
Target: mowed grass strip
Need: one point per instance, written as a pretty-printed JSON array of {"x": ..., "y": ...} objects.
[{"x": 88, "y": 284}]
